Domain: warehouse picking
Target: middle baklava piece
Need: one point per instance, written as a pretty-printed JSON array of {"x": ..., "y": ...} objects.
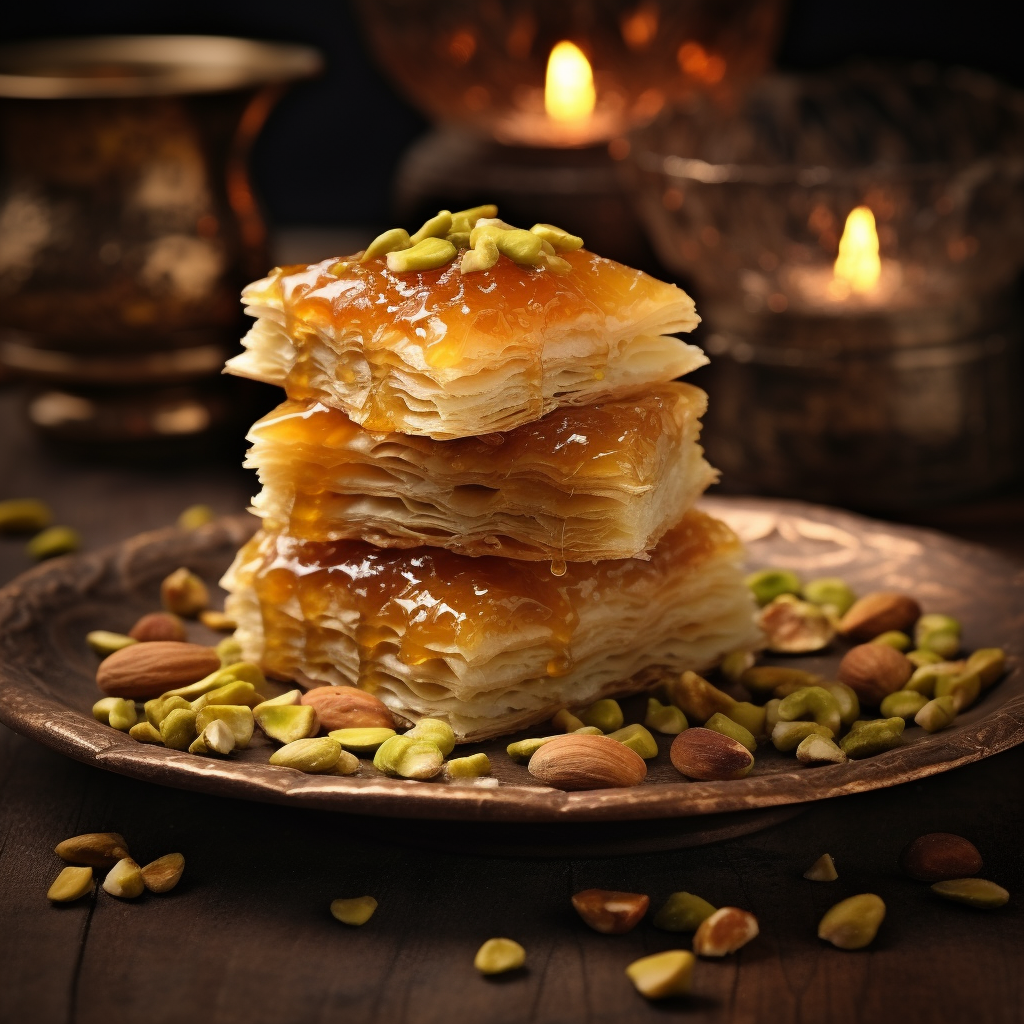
[{"x": 599, "y": 482}]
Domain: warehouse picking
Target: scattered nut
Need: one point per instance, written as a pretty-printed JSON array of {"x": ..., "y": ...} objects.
[
  {"x": 238, "y": 719},
  {"x": 727, "y": 727},
  {"x": 146, "y": 732},
  {"x": 989, "y": 663},
  {"x": 611, "y": 913},
  {"x": 878, "y": 613},
  {"x": 817, "y": 750},
  {"x": 122, "y": 715},
  {"x": 104, "y": 642},
  {"x": 474, "y": 766},
  {"x": 815, "y": 703},
  {"x": 24, "y": 515},
  {"x": 71, "y": 884},
  {"x": 150, "y": 669},
  {"x": 219, "y": 622},
  {"x": 832, "y": 593},
  {"x": 662, "y": 974},
  {"x": 605, "y": 715},
  {"x": 236, "y": 692},
  {"x": 964, "y": 689},
  {"x": 229, "y": 650},
  {"x": 919, "y": 658},
  {"x": 435, "y": 730},
  {"x": 164, "y": 873},
  {"x": 158, "y": 626},
  {"x": 708, "y": 755},
  {"x": 496, "y": 956},
  {"x": 750, "y": 716},
  {"x": 697, "y": 698},
  {"x": 361, "y": 741},
  {"x": 522, "y": 750},
  {"x": 822, "y": 870},
  {"x": 665, "y": 718},
  {"x": 215, "y": 738},
  {"x": 894, "y": 638},
  {"x": 54, "y": 541},
  {"x": 102, "y": 708},
  {"x": 873, "y": 671},
  {"x": 124, "y": 879},
  {"x": 576, "y": 762},
  {"x": 866, "y": 739},
  {"x": 765, "y": 679},
  {"x": 315, "y": 756},
  {"x": 846, "y": 698},
  {"x": 975, "y": 892},
  {"x": 768, "y": 584},
  {"x": 938, "y": 633},
  {"x": 196, "y": 516},
  {"x": 853, "y": 923},
  {"x": 159, "y": 708},
  {"x": 178, "y": 729},
  {"x": 286, "y": 723},
  {"x": 637, "y": 738},
  {"x": 787, "y": 736},
  {"x": 903, "y": 704},
  {"x": 724, "y": 932},
  {"x": 354, "y": 912},
  {"x": 408, "y": 758},
  {"x": 936, "y": 715},
  {"x": 682, "y": 912},
  {"x": 95, "y": 849},
  {"x": 184, "y": 593},
  {"x": 735, "y": 664},
  {"x": 795, "y": 627},
  {"x": 566, "y": 721},
  {"x": 939, "y": 856},
  {"x": 345, "y": 707}
]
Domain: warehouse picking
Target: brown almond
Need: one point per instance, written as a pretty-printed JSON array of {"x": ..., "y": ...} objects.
[
  {"x": 163, "y": 874},
  {"x": 873, "y": 671},
  {"x": 148, "y": 670},
  {"x": 158, "y": 626},
  {"x": 345, "y": 707},
  {"x": 940, "y": 856},
  {"x": 725, "y": 931},
  {"x": 575, "y": 762},
  {"x": 93, "y": 849},
  {"x": 709, "y": 756},
  {"x": 878, "y": 613},
  {"x": 609, "y": 912}
]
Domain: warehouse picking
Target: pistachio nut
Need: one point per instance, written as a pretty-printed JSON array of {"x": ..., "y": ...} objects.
[
  {"x": 727, "y": 727},
  {"x": 817, "y": 750},
  {"x": 229, "y": 650},
  {"x": 24, "y": 515},
  {"x": 474, "y": 766},
  {"x": 794, "y": 626},
  {"x": 768, "y": 584},
  {"x": 725, "y": 931},
  {"x": 101, "y": 709},
  {"x": 236, "y": 692},
  {"x": 637, "y": 738},
  {"x": 522, "y": 750},
  {"x": 219, "y": 622},
  {"x": 104, "y": 642},
  {"x": 561, "y": 240},
  {"x": 314, "y": 755},
  {"x": 853, "y": 923},
  {"x": 482, "y": 256},
  {"x": 917, "y": 658},
  {"x": 923, "y": 681},
  {"x": 735, "y": 663},
  {"x": 392, "y": 240},
  {"x": 610, "y": 912},
  {"x": 496, "y": 956},
  {"x": 771, "y": 716},
  {"x": 361, "y": 741},
  {"x": 429, "y": 254},
  {"x": 435, "y": 228},
  {"x": 664, "y": 718},
  {"x": 159, "y": 708},
  {"x": 936, "y": 715},
  {"x": 846, "y": 697},
  {"x": 178, "y": 729},
  {"x": 750, "y": 716},
  {"x": 196, "y": 516},
  {"x": 215, "y": 738},
  {"x": 238, "y": 719},
  {"x": 146, "y": 732},
  {"x": 184, "y": 593},
  {"x": 164, "y": 873},
  {"x": 347, "y": 764},
  {"x": 938, "y": 633},
  {"x": 822, "y": 870},
  {"x": 409, "y": 758},
  {"x": 566, "y": 721},
  {"x": 683, "y": 912},
  {"x": 283, "y": 700},
  {"x": 903, "y": 704},
  {"x": 964, "y": 689},
  {"x": 355, "y": 912},
  {"x": 95, "y": 849},
  {"x": 866, "y": 739},
  {"x": 989, "y": 663},
  {"x": 975, "y": 892},
  {"x": 661, "y": 975},
  {"x": 787, "y": 736},
  {"x": 812, "y": 702},
  {"x": 122, "y": 715},
  {"x": 522, "y": 247},
  {"x": 554, "y": 263},
  {"x": 763, "y": 680},
  {"x": 287, "y": 723},
  {"x": 830, "y": 593},
  {"x": 53, "y": 541},
  {"x": 71, "y": 884},
  {"x": 214, "y": 681},
  {"x": 588, "y": 730},
  {"x": 894, "y": 638},
  {"x": 124, "y": 879},
  {"x": 436, "y": 731},
  {"x": 465, "y": 220},
  {"x": 605, "y": 714},
  {"x": 697, "y": 698}
]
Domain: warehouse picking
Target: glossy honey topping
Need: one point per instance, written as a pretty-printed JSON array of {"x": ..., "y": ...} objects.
[{"x": 429, "y": 601}]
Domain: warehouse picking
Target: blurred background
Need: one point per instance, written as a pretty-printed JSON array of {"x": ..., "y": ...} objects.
[{"x": 840, "y": 185}]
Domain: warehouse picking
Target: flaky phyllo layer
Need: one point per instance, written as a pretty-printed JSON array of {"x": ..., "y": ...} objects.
[
  {"x": 604, "y": 481},
  {"x": 445, "y": 354},
  {"x": 490, "y": 644}
]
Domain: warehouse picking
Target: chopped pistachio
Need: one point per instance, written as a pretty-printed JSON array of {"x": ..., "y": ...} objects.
[
  {"x": 496, "y": 956},
  {"x": 936, "y": 714},
  {"x": 727, "y": 727},
  {"x": 750, "y": 716},
  {"x": 788, "y": 736},
  {"x": 735, "y": 664},
  {"x": 605, "y": 714},
  {"x": 683, "y": 912},
  {"x": 238, "y": 719},
  {"x": 902, "y": 704},
  {"x": 102, "y": 708},
  {"x": 146, "y": 732},
  {"x": 436, "y": 227},
  {"x": 288, "y": 723},
  {"x": 178, "y": 729},
  {"x": 196, "y": 516},
  {"x": 471, "y": 767},
  {"x": 24, "y": 515},
  {"x": 853, "y": 923},
  {"x": 436, "y": 731},
  {"x": 53, "y": 541},
  {"x": 314, "y": 756},
  {"x": 566, "y": 721},
  {"x": 354, "y": 912},
  {"x": 989, "y": 663},
  {"x": 408, "y": 758},
  {"x": 830, "y": 593},
  {"x": 818, "y": 750},
  {"x": 71, "y": 884},
  {"x": 124, "y": 879},
  {"x": 104, "y": 642},
  {"x": 638, "y": 739},
  {"x": 975, "y": 892},
  {"x": 662, "y": 974},
  {"x": 522, "y": 750},
  {"x": 429, "y": 254},
  {"x": 393, "y": 240},
  {"x": 122, "y": 715},
  {"x": 894, "y": 638},
  {"x": 768, "y": 584},
  {"x": 866, "y": 739},
  {"x": 822, "y": 870},
  {"x": 363, "y": 741},
  {"x": 664, "y": 718}
]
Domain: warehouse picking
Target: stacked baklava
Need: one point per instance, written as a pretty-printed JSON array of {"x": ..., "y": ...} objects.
[{"x": 477, "y": 499}]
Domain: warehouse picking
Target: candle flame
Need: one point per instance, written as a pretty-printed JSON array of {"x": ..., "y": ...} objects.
[
  {"x": 858, "y": 265},
  {"x": 569, "y": 85}
]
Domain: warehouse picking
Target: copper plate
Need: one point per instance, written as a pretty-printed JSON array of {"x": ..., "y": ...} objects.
[{"x": 47, "y": 688}]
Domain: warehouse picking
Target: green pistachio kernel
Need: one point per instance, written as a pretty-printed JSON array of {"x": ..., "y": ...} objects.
[
  {"x": 408, "y": 758},
  {"x": 566, "y": 721},
  {"x": 178, "y": 729},
  {"x": 605, "y": 714},
  {"x": 354, "y": 912},
  {"x": 866, "y": 739},
  {"x": 460, "y": 239},
  {"x": 727, "y": 727},
  {"x": 664, "y": 718},
  {"x": 750, "y": 716},
  {"x": 918, "y": 658},
  {"x": 937, "y": 714},
  {"x": 815, "y": 703},
  {"x": 24, "y": 515},
  {"x": 393, "y": 240},
  {"x": 938, "y": 633},
  {"x": 146, "y": 732},
  {"x": 902, "y": 704},
  {"x": 436, "y": 227},
  {"x": 895, "y": 639},
  {"x": 854, "y": 922},
  {"x": 522, "y": 750},
  {"x": 286, "y": 723},
  {"x": 787, "y": 736},
  {"x": 436, "y": 731},
  {"x": 71, "y": 884},
  {"x": 363, "y": 741},
  {"x": 830, "y": 592},
  {"x": 771, "y": 715},
  {"x": 589, "y": 730},
  {"x": 683, "y": 912},
  {"x": 817, "y": 750},
  {"x": 561, "y": 240},
  {"x": 465, "y": 220},
  {"x": 735, "y": 664},
  {"x": 764, "y": 680},
  {"x": 989, "y": 663},
  {"x": 429, "y": 254},
  {"x": 474, "y": 766},
  {"x": 822, "y": 870},
  {"x": 975, "y": 892},
  {"x": 520, "y": 246},
  {"x": 846, "y": 697},
  {"x": 216, "y": 738},
  {"x": 238, "y": 719},
  {"x": 101, "y": 709},
  {"x": 496, "y": 956},
  {"x": 103, "y": 642},
  {"x": 53, "y": 541},
  {"x": 768, "y": 584},
  {"x": 964, "y": 688},
  {"x": 638, "y": 739},
  {"x": 315, "y": 756},
  {"x": 122, "y": 715},
  {"x": 229, "y": 650},
  {"x": 196, "y": 516},
  {"x": 235, "y": 692},
  {"x": 482, "y": 256},
  {"x": 159, "y": 708}
]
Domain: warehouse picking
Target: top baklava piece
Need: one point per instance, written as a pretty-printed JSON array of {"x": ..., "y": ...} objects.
[{"x": 483, "y": 342}]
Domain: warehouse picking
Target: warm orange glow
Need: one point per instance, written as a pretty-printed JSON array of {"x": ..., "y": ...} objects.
[
  {"x": 858, "y": 266},
  {"x": 569, "y": 86},
  {"x": 696, "y": 62}
]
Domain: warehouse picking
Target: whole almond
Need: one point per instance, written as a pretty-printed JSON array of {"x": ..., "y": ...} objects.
[
  {"x": 345, "y": 707},
  {"x": 873, "y": 671},
  {"x": 611, "y": 913},
  {"x": 939, "y": 856},
  {"x": 574, "y": 762},
  {"x": 148, "y": 670},
  {"x": 94, "y": 849},
  {"x": 724, "y": 932},
  {"x": 878, "y": 613},
  {"x": 708, "y": 755},
  {"x": 158, "y": 626}
]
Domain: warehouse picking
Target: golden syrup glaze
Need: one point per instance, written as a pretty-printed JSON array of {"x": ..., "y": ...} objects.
[{"x": 430, "y": 601}]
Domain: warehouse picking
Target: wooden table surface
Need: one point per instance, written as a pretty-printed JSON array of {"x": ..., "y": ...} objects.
[{"x": 247, "y": 936}]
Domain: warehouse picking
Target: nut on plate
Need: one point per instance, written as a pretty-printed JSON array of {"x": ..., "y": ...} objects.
[
  {"x": 218, "y": 621},
  {"x": 853, "y": 923},
  {"x": 768, "y": 584},
  {"x": 124, "y": 879},
  {"x": 473, "y": 766},
  {"x": 637, "y": 738},
  {"x": 164, "y": 873},
  {"x": 937, "y": 714},
  {"x": 345, "y": 707},
  {"x": 683, "y": 912},
  {"x": 697, "y": 698},
  {"x": 104, "y": 642},
  {"x": 355, "y": 911},
  {"x": 150, "y": 669},
  {"x": 609, "y": 912},
  {"x": 989, "y": 663},
  {"x": 605, "y": 715},
  {"x": 184, "y": 593},
  {"x": 819, "y": 750},
  {"x": 665, "y": 718},
  {"x": 879, "y": 612},
  {"x": 873, "y": 671},
  {"x": 407, "y": 758},
  {"x": 313, "y": 755},
  {"x": 938, "y": 856},
  {"x": 579, "y": 762},
  {"x": 725, "y": 931},
  {"x": 436, "y": 731},
  {"x": 793, "y": 626},
  {"x": 71, "y": 884},
  {"x": 832, "y": 593},
  {"x": 762, "y": 680},
  {"x": 974, "y": 892},
  {"x": 158, "y": 626},
  {"x": 95, "y": 849},
  {"x": 938, "y": 633},
  {"x": 496, "y": 956},
  {"x": 286, "y": 723},
  {"x": 866, "y": 739},
  {"x": 709, "y": 756},
  {"x": 787, "y": 736},
  {"x": 728, "y": 727},
  {"x": 566, "y": 721},
  {"x": 662, "y": 974}
]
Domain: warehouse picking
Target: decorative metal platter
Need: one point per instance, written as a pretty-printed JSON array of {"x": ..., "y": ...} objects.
[{"x": 47, "y": 673}]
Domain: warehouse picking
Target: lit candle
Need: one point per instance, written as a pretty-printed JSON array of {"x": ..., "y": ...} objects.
[{"x": 569, "y": 94}]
